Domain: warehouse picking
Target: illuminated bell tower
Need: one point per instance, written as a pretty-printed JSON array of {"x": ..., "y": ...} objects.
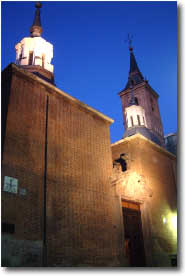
[
  {"x": 140, "y": 105},
  {"x": 135, "y": 114},
  {"x": 34, "y": 53}
]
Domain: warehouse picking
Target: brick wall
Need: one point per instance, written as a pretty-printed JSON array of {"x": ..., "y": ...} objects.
[
  {"x": 23, "y": 159},
  {"x": 79, "y": 205},
  {"x": 80, "y": 224}
]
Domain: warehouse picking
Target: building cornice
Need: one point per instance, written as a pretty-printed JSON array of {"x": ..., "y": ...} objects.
[
  {"x": 154, "y": 145},
  {"x": 84, "y": 106}
]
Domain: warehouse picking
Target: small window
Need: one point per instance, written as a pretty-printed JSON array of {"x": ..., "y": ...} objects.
[
  {"x": 43, "y": 61},
  {"x": 132, "y": 123},
  {"x": 21, "y": 54},
  {"x": 136, "y": 101},
  {"x": 30, "y": 61},
  {"x": 8, "y": 228},
  {"x": 10, "y": 185},
  {"x": 122, "y": 162},
  {"x": 152, "y": 105},
  {"x": 138, "y": 117},
  {"x": 20, "y": 57}
]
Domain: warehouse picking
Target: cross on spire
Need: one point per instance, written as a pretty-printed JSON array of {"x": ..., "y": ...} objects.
[{"x": 129, "y": 39}]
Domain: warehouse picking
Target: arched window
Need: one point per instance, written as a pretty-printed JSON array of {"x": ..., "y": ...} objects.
[
  {"x": 132, "y": 123},
  {"x": 30, "y": 58},
  {"x": 138, "y": 117},
  {"x": 21, "y": 55},
  {"x": 43, "y": 61}
]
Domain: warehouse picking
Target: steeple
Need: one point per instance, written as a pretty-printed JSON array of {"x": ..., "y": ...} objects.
[
  {"x": 134, "y": 73},
  {"x": 140, "y": 105},
  {"x": 36, "y": 28},
  {"x": 133, "y": 64}
]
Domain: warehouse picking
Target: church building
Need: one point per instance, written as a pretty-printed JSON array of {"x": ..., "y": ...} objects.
[{"x": 69, "y": 197}]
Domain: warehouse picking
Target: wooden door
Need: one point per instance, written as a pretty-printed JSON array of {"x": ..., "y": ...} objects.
[{"x": 134, "y": 245}]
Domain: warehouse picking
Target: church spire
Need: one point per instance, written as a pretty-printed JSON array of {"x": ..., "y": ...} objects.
[
  {"x": 134, "y": 73},
  {"x": 140, "y": 105},
  {"x": 133, "y": 64},
  {"x": 36, "y": 28}
]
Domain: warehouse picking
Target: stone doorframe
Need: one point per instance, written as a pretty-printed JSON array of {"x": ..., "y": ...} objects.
[{"x": 131, "y": 186}]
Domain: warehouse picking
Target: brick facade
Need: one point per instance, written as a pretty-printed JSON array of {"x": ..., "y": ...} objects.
[
  {"x": 79, "y": 213},
  {"x": 154, "y": 187},
  {"x": 71, "y": 213}
]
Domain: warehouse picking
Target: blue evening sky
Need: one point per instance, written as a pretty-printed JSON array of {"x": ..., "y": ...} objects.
[{"x": 91, "y": 57}]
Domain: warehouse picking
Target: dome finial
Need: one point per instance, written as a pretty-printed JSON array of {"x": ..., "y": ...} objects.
[{"x": 36, "y": 28}]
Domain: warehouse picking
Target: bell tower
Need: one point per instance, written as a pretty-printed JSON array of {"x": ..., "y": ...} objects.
[
  {"x": 140, "y": 105},
  {"x": 34, "y": 53}
]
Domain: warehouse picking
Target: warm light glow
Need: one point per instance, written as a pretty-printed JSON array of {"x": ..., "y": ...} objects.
[
  {"x": 173, "y": 221},
  {"x": 164, "y": 220}
]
